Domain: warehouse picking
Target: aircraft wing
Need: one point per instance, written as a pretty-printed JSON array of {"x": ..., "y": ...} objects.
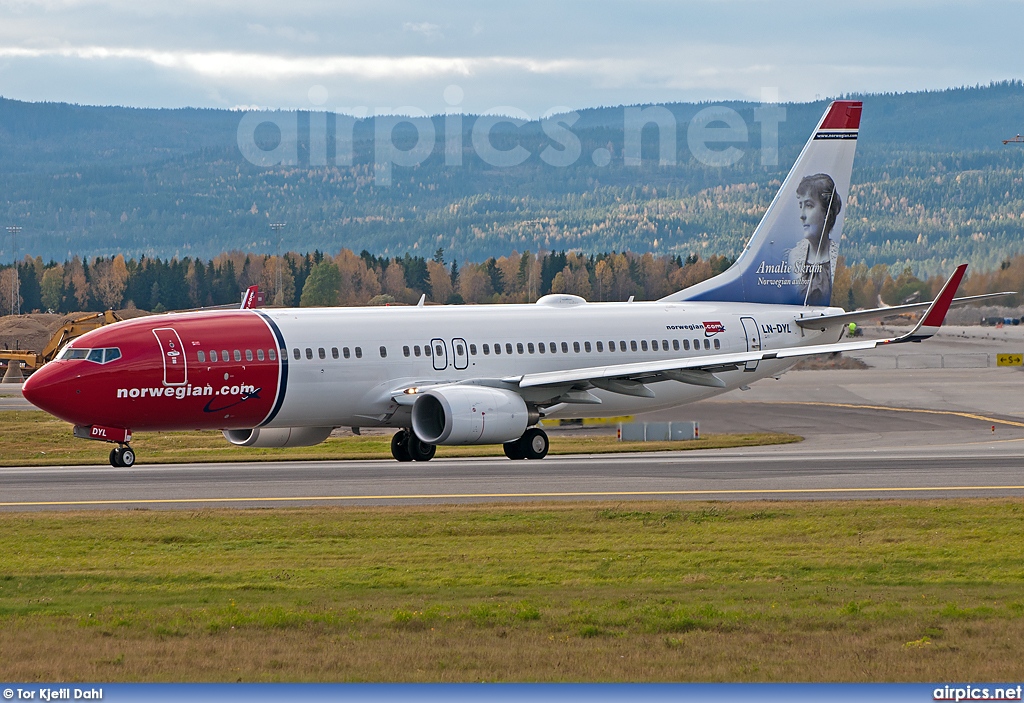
[
  {"x": 824, "y": 321},
  {"x": 629, "y": 379}
]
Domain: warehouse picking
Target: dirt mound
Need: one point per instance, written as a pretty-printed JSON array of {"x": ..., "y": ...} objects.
[
  {"x": 30, "y": 332},
  {"x": 33, "y": 332}
]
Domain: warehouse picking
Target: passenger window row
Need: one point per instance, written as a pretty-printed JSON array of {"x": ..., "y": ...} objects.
[
  {"x": 236, "y": 355},
  {"x": 586, "y": 347},
  {"x": 425, "y": 351},
  {"x": 507, "y": 348},
  {"x": 321, "y": 353}
]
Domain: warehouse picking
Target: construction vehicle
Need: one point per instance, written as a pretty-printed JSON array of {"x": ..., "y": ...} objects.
[{"x": 18, "y": 360}]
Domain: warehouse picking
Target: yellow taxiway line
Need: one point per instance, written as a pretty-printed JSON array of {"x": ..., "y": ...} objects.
[
  {"x": 498, "y": 496},
  {"x": 853, "y": 406}
]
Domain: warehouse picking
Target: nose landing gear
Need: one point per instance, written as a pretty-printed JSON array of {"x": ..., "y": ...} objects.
[{"x": 122, "y": 457}]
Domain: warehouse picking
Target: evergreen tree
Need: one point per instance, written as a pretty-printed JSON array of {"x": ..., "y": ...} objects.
[{"x": 322, "y": 285}]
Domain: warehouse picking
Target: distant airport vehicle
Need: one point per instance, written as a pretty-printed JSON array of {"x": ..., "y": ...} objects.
[{"x": 484, "y": 374}]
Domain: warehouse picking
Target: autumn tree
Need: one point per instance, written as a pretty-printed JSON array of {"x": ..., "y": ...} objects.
[
  {"x": 574, "y": 278},
  {"x": 359, "y": 282},
  {"x": 8, "y": 289},
  {"x": 109, "y": 280},
  {"x": 268, "y": 281},
  {"x": 440, "y": 281},
  {"x": 475, "y": 284},
  {"x": 393, "y": 282},
  {"x": 76, "y": 286},
  {"x": 623, "y": 284},
  {"x": 604, "y": 279}
]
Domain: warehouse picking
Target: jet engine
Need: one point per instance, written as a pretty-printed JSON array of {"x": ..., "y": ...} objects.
[
  {"x": 278, "y": 436},
  {"x": 469, "y": 415}
]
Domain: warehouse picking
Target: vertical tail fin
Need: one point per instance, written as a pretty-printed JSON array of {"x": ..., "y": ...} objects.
[
  {"x": 791, "y": 257},
  {"x": 252, "y": 298}
]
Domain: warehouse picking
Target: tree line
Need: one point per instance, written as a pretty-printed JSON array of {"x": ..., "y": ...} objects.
[{"x": 347, "y": 278}]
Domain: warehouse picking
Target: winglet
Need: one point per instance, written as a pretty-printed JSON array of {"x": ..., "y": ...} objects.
[{"x": 932, "y": 319}]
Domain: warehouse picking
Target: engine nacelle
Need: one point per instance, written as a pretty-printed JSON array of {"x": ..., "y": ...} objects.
[
  {"x": 278, "y": 436},
  {"x": 469, "y": 415}
]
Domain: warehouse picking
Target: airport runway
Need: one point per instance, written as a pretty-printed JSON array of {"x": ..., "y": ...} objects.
[
  {"x": 870, "y": 434},
  {"x": 987, "y": 468}
]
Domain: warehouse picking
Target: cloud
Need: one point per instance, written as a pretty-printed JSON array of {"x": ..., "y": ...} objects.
[
  {"x": 218, "y": 53},
  {"x": 427, "y": 29},
  {"x": 224, "y": 64}
]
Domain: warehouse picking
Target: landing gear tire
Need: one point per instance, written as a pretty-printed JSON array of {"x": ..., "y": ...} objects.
[
  {"x": 405, "y": 446},
  {"x": 127, "y": 457},
  {"x": 420, "y": 450},
  {"x": 513, "y": 450},
  {"x": 534, "y": 443},
  {"x": 122, "y": 457},
  {"x": 400, "y": 445}
]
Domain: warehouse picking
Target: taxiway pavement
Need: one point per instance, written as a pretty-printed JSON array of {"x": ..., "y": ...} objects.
[{"x": 874, "y": 433}]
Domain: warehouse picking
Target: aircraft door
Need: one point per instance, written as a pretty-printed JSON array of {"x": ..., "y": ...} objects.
[
  {"x": 460, "y": 353},
  {"x": 439, "y": 354},
  {"x": 753, "y": 340},
  {"x": 173, "y": 353}
]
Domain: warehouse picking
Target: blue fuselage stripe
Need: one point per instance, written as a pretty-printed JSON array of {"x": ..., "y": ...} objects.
[{"x": 282, "y": 354}]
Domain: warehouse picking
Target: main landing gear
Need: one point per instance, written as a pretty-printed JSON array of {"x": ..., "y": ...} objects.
[
  {"x": 406, "y": 446},
  {"x": 122, "y": 457},
  {"x": 532, "y": 445}
]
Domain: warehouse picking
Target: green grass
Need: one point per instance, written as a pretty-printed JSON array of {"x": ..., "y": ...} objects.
[
  {"x": 764, "y": 591},
  {"x": 34, "y": 438}
]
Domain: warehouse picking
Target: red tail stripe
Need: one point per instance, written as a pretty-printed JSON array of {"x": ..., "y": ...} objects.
[{"x": 845, "y": 114}]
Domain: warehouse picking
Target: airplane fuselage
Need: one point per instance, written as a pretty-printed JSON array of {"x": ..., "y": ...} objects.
[{"x": 344, "y": 366}]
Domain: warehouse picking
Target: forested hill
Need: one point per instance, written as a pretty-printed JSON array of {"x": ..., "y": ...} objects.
[{"x": 932, "y": 183}]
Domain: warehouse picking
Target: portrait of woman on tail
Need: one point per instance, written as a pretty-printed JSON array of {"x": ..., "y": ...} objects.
[{"x": 813, "y": 260}]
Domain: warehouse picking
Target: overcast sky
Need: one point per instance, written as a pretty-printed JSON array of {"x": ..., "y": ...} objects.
[{"x": 533, "y": 55}]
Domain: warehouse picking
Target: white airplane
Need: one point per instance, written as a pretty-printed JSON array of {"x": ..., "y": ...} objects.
[{"x": 483, "y": 374}]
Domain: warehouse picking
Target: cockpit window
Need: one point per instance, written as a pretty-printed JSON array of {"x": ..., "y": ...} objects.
[{"x": 98, "y": 356}]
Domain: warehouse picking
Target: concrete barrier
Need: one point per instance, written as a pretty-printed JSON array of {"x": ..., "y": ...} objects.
[
  {"x": 658, "y": 431},
  {"x": 975, "y": 360},
  {"x": 13, "y": 373},
  {"x": 685, "y": 430}
]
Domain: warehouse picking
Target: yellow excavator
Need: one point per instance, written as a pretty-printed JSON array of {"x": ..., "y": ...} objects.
[{"x": 18, "y": 360}]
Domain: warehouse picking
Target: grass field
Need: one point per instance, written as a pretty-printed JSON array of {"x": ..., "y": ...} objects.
[
  {"x": 34, "y": 438},
  {"x": 769, "y": 591}
]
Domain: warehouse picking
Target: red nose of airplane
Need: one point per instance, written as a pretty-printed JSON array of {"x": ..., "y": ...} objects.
[{"x": 47, "y": 389}]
